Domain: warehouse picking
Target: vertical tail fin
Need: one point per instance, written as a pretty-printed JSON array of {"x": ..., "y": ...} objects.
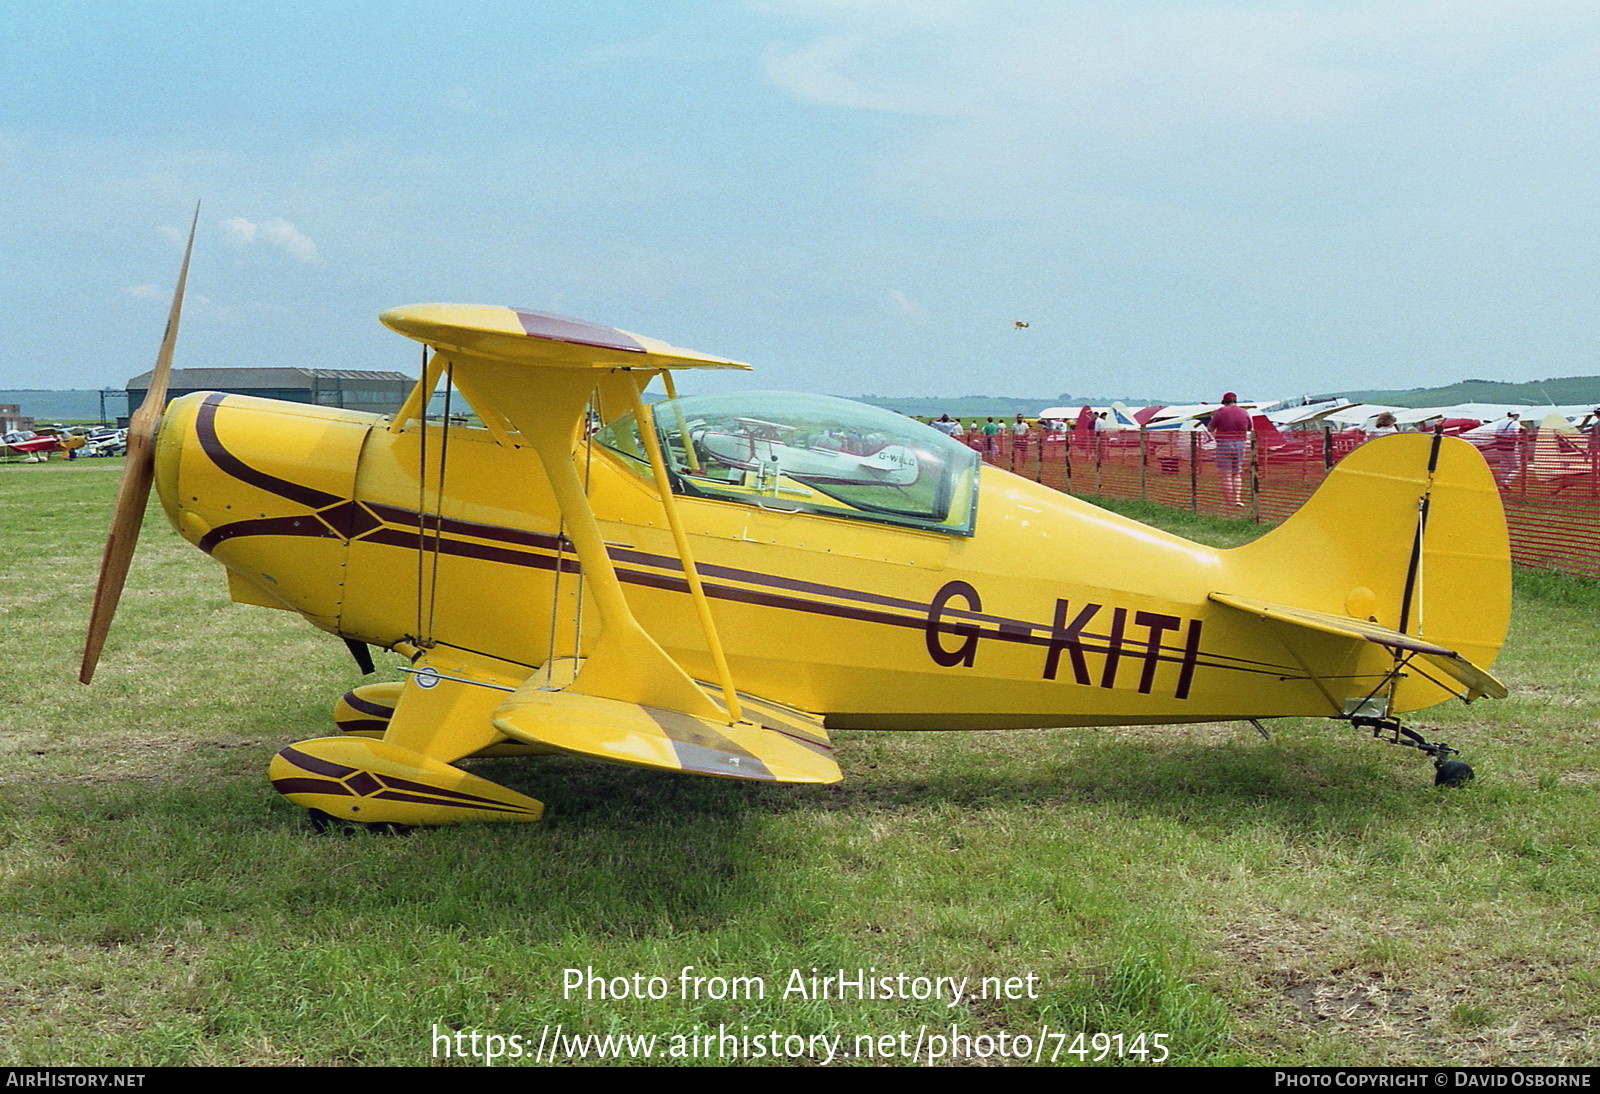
[{"x": 1407, "y": 532}]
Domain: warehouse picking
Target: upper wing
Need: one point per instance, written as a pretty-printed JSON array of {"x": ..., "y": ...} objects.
[{"x": 522, "y": 337}]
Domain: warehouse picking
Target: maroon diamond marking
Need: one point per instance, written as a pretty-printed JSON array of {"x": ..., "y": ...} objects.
[{"x": 363, "y": 783}]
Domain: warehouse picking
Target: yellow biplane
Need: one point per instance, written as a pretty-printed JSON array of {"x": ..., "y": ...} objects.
[{"x": 712, "y": 583}]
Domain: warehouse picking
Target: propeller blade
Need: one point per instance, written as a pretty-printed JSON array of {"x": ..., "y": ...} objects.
[{"x": 137, "y": 474}]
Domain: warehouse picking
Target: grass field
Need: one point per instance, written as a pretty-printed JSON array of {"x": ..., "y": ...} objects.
[{"x": 1309, "y": 900}]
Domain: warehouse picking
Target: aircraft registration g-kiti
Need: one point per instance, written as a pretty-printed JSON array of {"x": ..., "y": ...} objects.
[{"x": 713, "y": 583}]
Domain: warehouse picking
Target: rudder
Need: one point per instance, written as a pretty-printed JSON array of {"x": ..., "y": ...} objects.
[{"x": 1407, "y": 532}]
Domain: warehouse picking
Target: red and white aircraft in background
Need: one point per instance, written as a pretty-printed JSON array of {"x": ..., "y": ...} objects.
[{"x": 24, "y": 442}]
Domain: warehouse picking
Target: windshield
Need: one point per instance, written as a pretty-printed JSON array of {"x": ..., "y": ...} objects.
[{"x": 815, "y": 453}]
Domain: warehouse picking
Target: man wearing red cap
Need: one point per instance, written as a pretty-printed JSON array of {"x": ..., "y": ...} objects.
[{"x": 1230, "y": 425}]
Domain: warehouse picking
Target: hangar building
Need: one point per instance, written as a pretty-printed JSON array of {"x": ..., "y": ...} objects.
[{"x": 350, "y": 389}]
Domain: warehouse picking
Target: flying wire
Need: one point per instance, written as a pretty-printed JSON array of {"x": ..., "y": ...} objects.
[
  {"x": 438, "y": 514},
  {"x": 555, "y": 602},
  {"x": 588, "y": 462},
  {"x": 422, "y": 493}
]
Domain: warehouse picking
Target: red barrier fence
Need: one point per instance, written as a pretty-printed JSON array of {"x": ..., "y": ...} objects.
[{"x": 1550, "y": 483}]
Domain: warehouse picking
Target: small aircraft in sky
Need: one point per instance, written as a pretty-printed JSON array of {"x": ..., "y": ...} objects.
[{"x": 714, "y": 583}]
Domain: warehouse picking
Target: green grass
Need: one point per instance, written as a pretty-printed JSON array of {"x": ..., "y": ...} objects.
[
  {"x": 1310, "y": 900},
  {"x": 1557, "y": 390},
  {"x": 1216, "y": 531}
]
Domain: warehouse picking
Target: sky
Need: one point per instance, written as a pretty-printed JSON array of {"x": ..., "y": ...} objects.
[{"x": 856, "y": 196}]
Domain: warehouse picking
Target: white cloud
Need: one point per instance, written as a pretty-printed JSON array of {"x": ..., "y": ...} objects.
[
  {"x": 239, "y": 230},
  {"x": 1155, "y": 68},
  {"x": 817, "y": 73},
  {"x": 1141, "y": 112},
  {"x": 275, "y": 232},
  {"x": 1108, "y": 68},
  {"x": 904, "y": 305},
  {"x": 143, "y": 291},
  {"x": 289, "y": 239}
]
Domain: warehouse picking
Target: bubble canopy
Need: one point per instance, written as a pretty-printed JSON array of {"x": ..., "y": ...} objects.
[{"x": 791, "y": 452}]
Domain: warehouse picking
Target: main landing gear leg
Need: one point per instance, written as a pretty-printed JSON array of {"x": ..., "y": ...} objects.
[
  {"x": 1447, "y": 772},
  {"x": 324, "y": 824}
]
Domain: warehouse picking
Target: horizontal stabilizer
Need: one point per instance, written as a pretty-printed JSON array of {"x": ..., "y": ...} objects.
[
  {"x": 1477, "y": 682},
  {"x": 522, "y": 337},
  {"x": 790, "y": 747}
]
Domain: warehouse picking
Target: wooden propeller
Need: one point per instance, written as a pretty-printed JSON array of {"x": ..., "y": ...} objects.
[{"x": 137, "y": 474}]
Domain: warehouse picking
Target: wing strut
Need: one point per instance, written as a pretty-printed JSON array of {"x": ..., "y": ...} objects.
[
  {"x": 652, "y": 445},
  {"x": 416, "y": 404},
  {"x": 539, "y": 373}
]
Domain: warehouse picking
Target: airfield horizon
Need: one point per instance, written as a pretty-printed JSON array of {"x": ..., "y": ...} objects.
[{"x": 76, "y": 406}]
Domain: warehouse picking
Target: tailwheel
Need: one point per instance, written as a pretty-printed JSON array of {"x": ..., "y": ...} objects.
[{"x": 1447, "y": 772}]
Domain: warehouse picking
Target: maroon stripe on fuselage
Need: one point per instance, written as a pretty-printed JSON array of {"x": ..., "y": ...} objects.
[
  {"x": 205, "y": 427},
  {"x": 311, "y": 786},
  {"x": 315, "y": 764},
  {"x": 1004, "y": 630},
  {"x": 459, "y": 797},
  {"x": 711, "y": 569},
  {"x": 773, "y": 600},
  {"x": 362, "y": 725},
  {"x": 399, "y": 537},
  {"x": 367, "y": 706},
  {"x": 266, "y": 526},
  {"x": 483, "y": 806},
  {"x": 410, "y": 518}
]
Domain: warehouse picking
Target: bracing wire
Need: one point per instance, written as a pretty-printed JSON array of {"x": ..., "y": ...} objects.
[
  {"x": 438, "y": 513},
  {"x": 555, "y": 602},
  {"x": 422, "y": 495},
  {"x": 588, "y": 462},
  {"x": 1422, "y": 527}
]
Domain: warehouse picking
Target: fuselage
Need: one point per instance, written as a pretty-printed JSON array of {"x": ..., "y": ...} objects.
[
  {"x": 25, "y": 442},
  {"x": 1050, "y": 612}
]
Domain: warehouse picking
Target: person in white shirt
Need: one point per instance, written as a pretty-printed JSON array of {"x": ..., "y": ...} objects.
[{"x": 1505, "y": 455}]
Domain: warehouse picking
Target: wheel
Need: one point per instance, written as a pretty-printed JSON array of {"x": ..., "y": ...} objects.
[
  {"x": 1452, "y": 773},
  {"x": 323, "y": 825}
]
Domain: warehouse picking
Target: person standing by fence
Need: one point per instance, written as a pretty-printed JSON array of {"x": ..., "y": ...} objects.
[
  {"x": 991, "y": 429},
  {"x": 1507, "y": 454},
  {"x": 1230, "y": 426}
]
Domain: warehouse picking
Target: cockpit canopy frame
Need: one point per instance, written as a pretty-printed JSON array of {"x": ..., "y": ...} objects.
[{"x": 793, "y": 452}]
